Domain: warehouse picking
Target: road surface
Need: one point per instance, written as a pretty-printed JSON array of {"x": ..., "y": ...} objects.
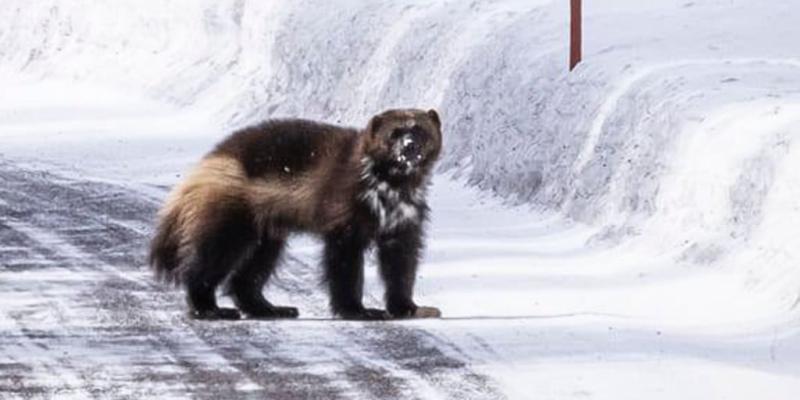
[{"x": 83, "y": 318}]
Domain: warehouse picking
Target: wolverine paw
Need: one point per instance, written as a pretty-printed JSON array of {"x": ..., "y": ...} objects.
[
  {"x": 366, "y": 314},
  {"x": 215, "y": 314},
  {"x": 427, "y": 312},
  {"x": 414, "y": 312},
  {"x": 275, "y": 312}
]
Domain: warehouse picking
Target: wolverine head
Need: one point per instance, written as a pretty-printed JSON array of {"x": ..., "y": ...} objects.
[{"x": 404, "y": 143}]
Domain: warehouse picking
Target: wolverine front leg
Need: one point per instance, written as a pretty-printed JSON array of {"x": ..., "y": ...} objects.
[
  {"x": 398, "y": 255},
  {"x": 344, "y": 272}
]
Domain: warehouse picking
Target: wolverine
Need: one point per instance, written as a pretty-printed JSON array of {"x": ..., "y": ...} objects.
[{"x": 229, "y": 219}]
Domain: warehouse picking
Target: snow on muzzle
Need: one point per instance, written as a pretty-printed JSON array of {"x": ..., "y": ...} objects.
[{"x": 408, "y": 152}]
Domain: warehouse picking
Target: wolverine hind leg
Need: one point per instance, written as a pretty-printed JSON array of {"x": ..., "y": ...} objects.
[
  {"x": 227, "y": 236},
  {"x": 247, "y": 283}
]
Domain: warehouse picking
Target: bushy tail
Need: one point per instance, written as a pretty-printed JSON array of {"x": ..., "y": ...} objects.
[{"x": 164, "y": 248}]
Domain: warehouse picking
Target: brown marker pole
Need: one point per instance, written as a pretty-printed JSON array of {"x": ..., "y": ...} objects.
[{"x": 575, "y": 34}]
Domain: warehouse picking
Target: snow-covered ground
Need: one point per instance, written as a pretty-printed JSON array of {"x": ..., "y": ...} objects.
[{"x": 643, "y": 242}]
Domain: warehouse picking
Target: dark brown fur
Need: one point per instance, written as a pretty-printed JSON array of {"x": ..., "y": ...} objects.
[{"x": 231, "y": 216}]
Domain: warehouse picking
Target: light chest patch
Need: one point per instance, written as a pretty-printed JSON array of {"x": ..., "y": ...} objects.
[{"x": 387, "y": 204}]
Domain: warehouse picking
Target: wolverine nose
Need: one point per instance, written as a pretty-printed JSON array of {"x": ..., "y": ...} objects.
[{"x": 412, "y": 150}]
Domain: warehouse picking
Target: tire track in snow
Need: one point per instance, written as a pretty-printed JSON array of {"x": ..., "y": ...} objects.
[
  {"x": 85, "y": 245},
  {"x": 24, "y": 374},
  {"x": 97, "y": 317}
]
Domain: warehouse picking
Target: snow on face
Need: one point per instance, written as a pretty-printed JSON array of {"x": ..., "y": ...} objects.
[{"x": 407, "y": 152}]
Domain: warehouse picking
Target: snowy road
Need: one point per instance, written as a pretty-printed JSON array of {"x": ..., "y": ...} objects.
[{"x": 82, "y": 318}]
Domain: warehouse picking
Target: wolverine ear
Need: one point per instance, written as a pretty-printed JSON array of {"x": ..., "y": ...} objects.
[
  {"x": 374, "y": 125},
  {"x": 434, "y": 116}
]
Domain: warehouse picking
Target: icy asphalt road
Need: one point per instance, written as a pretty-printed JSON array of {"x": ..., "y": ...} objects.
[{"x": 82, "y": 318}]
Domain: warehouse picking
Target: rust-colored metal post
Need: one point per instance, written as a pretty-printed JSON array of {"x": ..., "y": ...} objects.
[{"x": 575, "y": 34}]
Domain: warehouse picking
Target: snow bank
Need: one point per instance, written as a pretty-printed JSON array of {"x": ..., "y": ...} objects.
[{"x": 676, "y": 136}]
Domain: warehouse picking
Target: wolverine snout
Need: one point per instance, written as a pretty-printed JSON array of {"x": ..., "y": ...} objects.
[{"x": 410, "y": 150}]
